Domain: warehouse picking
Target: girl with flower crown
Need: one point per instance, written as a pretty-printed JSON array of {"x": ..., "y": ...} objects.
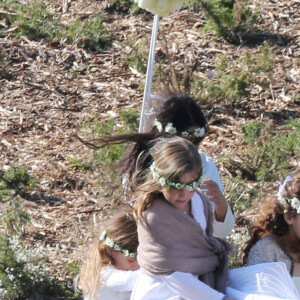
[
  {"x": 275, "y": 234},
  {"x": 174, "y": 114},
  {"x": 110, "y": 268},
  {"x": 178, "y": 256},
  {"x": 176, "y": 246}
]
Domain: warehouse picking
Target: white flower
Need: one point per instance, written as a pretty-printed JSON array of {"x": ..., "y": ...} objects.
[
  {"x": 189, "y": 188},
  {"x": 281, "y": 200},
  {"x": 295, "y": 203},
  {"x": 126, "y": 252},
  {"x": 298, "y": 210},
  {"x": 162, "y": 181},
  {"x": 199, "y": 132},
  {"x": 102, "y": 235},
  {"x": 109, "y": 242},
  {"x": 185, "y": 133},
  {"x": 169, "y": 128},
  {"x": 158, "y": 125},
  {"x": 117, "y": 247},
  {"x": 179, "y": 186}
]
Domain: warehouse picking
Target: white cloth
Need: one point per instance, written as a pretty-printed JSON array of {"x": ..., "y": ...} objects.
[
  {"x": 118, "y": 285},
  {"x": 210, "y": 170},
  {"x": 267, "y": 281},
  {"x": 178, "y": 285},
  {"x": 296, "y": 280},
  {"x": 220, "y": 229}
]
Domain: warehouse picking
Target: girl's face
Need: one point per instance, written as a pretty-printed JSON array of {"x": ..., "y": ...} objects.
[
  {"x": 124, "y": 263},
  {"x": 181, "y": 198}
]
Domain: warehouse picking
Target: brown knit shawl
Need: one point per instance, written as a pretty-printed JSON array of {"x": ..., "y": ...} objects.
[{"x": 170, "y": 240}]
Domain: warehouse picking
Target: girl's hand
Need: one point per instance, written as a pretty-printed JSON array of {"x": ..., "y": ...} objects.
[{"x": 214, "y": 194}]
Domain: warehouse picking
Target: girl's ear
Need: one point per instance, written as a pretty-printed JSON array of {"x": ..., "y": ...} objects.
[
  {"x": 288, "y": 218},
  {"x": 110, "y": 252}
]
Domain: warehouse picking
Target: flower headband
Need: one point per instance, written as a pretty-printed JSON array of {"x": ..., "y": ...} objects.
[
  {"x": 111, "y": 244},
  {"x": 293, "y": 202},
  {"x": 198, "y": 132},
  {"x": 169, "y": 184}
]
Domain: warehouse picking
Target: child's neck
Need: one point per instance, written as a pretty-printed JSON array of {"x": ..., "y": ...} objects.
[{"x": 188, "y": 209}]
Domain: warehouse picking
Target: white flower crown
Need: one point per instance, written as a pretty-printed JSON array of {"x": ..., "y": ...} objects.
[
  {"x": 178, "y": 185},
  {"x": 198, "y": 132},
  {"x": 293, "y": 202},
  {"x": 111, "y": 244}
]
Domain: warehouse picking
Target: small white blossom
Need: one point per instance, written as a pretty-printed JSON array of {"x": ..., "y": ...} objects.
[
  {"x": 199, "y": 132},
  {"x": 158, "y": 125},
  {"x": 102, "y": 235},
  {"x": 179, "y": 186},
  {"x": 295, "y": 203},
  {"x": 162, "y": 181},
  {"x": 109, "y": 242},
  {"x": 189, "y": 188},
  {"x": 170, "y": 129},
  {"x": 185, "y": 134}
]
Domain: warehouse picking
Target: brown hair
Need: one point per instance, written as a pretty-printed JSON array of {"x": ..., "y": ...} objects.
[
  {"x": 179, "y": 109},
  {"x": 271, "y": 220},
  {"x": 173, "y": 157},
  {"x": 123, "y": 230}
]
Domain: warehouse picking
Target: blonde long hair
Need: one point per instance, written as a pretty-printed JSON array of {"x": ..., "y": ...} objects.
[
  {"x": 123, "y": 230},
  {"x": 173, "y": 157}
]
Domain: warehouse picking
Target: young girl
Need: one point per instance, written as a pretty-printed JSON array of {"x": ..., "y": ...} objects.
[
  {"x": 110, "y": 268},
  {"x": 178, "y": 115},
  {"x": 176, "y": 246},
  {"x": 275, "y": 235},
  {"x": 178, "y": 256}
]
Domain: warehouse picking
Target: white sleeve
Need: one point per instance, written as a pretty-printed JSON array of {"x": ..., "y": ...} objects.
[
  {"x": 210, "y": 170},
  {"x": 120, "y": 281},
  {"x": 222, "y": 229},
  {"x": 189, "y": 287}
]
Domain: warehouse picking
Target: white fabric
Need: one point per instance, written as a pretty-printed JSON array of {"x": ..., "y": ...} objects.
[
  {"x": 297, "y": 283},
  {"x": 266, "y": 281},
  {"x": 118, "y": 285},
  {"x": 220, "y": 229},
  {"x": 178, "y": 285},
  {"x": 210, "y": 169}
]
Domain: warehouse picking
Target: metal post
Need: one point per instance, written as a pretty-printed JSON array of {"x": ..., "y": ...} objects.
[{"x": 149, "y": 74}]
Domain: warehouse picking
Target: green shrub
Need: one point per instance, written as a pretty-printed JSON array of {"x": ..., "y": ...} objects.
[
  {"x": 91, "y": 34},
  {"x": 30, "y": 19},
  {"x": 138, "y": 56},
  {"x": 124, "y": 6},
  {"x": 234, "y": 80},
  {"x": 268, "y": 156},
  {"x": 104, "y": 159},
  {"x": 231, "y": 19},
  {"x": 252, "y": 131}
]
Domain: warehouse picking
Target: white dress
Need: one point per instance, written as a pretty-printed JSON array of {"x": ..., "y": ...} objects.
[
  {"x": 118, "y": 285},
  {"x": 266, "y": 281},
  {"x": 210, "y": 169}
]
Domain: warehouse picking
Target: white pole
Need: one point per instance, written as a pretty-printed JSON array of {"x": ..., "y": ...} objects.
[{"x": 149, "y": 74}]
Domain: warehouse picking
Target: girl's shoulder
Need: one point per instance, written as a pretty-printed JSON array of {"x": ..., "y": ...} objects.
[
  {"x": 267, "y": 250},
  {"x": 266, "y": 243}
]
